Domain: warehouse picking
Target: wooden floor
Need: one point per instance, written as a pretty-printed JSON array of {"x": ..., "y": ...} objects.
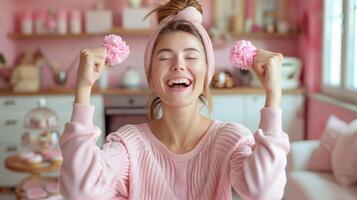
[{"x": 7, "y": 196}]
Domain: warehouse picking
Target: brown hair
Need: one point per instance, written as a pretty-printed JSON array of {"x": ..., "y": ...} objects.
[{"x": 172, "y": 8}]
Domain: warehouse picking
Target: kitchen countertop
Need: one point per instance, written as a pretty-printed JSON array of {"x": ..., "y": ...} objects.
[{"x": 142, "y": 91}]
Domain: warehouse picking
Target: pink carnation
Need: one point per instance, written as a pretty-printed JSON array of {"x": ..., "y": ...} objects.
[
  {"x": 242, "y": 54},
  {"x": 117, "y": 49}
]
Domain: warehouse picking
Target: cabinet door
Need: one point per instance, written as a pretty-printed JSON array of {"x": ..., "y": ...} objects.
[
  {"x": 293, "y": 116},
  {"x": 252, "y": 106},
  {"x": 228, "y": 108},
  {"x": 63, "y": 106},
  {"x": 13, "y": 111},
  {"x": 22, "y": 104},
  {"x": 99, "y": 117},
  {"x": 8, "y": 178},
  {"x": 11, "y": 128}
]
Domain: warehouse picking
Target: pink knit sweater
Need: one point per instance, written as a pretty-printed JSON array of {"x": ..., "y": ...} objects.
[{"x": 133, "y": 164}]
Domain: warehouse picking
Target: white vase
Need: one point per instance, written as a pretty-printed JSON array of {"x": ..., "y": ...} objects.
[{"x": 135, "y": 3}]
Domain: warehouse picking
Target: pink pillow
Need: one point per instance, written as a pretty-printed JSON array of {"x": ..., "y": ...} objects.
[
  {"x": 344, "y": 157},
  {"x": 321, "y": 157}
]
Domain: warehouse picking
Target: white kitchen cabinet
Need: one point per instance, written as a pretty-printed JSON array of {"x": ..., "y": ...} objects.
[
  {"x": 245, "y": 109},
  {"x": 293, "y": 116},
  {"x": 8, "y": 178},
  {"x": 252, "y": 106},
  {"x": 16, "y": 103},
  {"x": 228, "y": 108},
  {"x": 13, "y": 110},
  {"x": 62, "y": 105}
]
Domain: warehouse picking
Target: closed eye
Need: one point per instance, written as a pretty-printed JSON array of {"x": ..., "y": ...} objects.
[
  {"x": 163, "y": 59},
  {"x": 191, "y": 58}
]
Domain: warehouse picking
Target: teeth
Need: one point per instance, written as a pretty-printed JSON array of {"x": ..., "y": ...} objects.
[{"x": 178, "y": 81}]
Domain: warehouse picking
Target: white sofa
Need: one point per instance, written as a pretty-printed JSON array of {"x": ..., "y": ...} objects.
[{"x": 303, "y": 184}]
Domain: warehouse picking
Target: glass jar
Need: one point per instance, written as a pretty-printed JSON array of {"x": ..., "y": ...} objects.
[
  {"x": 62, "y": 22},
  {"x": 75, "y": 22},
  {"x": 41, "y": 125},
  {"x": 40, "y": 22},
  {"x": 26, "y": 23}
]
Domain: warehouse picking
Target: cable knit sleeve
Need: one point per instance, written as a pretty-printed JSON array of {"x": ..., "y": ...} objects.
[
  {"x": 87, "y": 171},
  {"x": 257, "y": 164}
]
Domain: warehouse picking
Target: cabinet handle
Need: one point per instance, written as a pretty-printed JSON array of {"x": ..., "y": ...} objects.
[
  {"x": 10, "y": 122},
  {"x": 9, "y": 103},
  {"x": 11, "y": 148},
  {"x": 131, "y": 101}
]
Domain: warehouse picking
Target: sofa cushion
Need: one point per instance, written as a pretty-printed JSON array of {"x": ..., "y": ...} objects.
[
  {"x": 300, "y": 155},
  {"x": 310, "y": 185},
  {"x": 344, "y": 157},
  {"x": 321, "y": 157}
]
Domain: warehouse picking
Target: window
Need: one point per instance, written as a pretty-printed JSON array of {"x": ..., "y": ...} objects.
[
  {"x": 353, "y": 78},
  {"x": 340, "y": 49}
]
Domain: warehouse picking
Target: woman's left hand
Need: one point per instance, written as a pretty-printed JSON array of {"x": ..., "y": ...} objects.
[{"x": 267, "y": 67}]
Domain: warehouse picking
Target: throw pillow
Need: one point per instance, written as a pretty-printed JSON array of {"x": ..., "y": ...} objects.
[
  {"x": 321, "y": 157},
  {"x": 344, "y": 157}
]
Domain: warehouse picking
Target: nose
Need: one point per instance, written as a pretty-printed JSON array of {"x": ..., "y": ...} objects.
[
  {"x": 178, "y": 68},
  {"x": 178, "y": 65}
]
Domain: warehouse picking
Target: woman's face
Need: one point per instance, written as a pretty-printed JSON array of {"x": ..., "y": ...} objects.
[{"x": 179, "y": 69}]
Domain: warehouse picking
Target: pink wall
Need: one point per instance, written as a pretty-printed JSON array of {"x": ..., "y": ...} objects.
[
  {"x": 6, "y": 45},
  {"x": 308, "y": 14},
  {"x": 318, "y": 114},
  {"x": 64, "y": 51},
  {"x": 311, "y": 43}
]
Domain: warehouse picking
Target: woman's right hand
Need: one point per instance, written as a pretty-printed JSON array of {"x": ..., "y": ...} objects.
[{"x": 91, "y": 67}]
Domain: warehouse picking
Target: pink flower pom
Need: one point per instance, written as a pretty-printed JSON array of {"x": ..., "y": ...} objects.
[
  {"x": 242, "y": 54},
  {"x": 117, "y": 49}
]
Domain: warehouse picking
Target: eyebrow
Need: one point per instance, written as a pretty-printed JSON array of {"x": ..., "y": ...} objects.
[{"x": 169, "y": 50}]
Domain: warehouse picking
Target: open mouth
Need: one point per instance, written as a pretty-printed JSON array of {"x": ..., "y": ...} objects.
[{"x": 179, "y": 83}]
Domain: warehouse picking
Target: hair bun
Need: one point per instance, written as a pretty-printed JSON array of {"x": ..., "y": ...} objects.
[
  {"x": 175, "y": 6},
  {"x": 190, "y": 12}
]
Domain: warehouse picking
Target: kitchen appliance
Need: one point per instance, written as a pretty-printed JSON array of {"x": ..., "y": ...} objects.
[
  {"x": 131, "y": 78},
  {"x": 290, "y": 73},
  {"x": 122, "y": 110}
]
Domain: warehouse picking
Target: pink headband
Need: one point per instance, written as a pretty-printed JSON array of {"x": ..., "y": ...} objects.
[{"x": 192, "y": 15}]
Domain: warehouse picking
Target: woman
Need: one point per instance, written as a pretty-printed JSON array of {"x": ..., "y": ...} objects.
[{"x": 178, "y": 154}]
